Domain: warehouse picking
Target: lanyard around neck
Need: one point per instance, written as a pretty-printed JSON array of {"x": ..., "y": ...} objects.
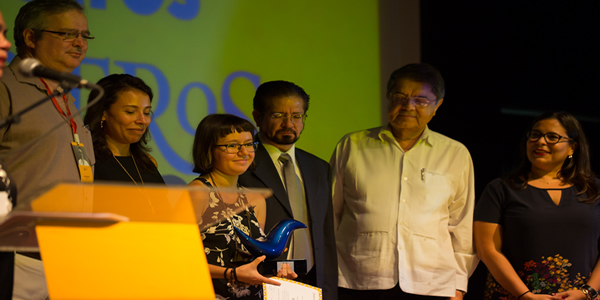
[{"x": 68, "y": 114}]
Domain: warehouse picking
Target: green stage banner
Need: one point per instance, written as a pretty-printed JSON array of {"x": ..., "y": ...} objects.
[{"x": 203, "y": 57}]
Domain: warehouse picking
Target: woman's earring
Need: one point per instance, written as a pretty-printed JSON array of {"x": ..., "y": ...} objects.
[
  {"x": 570, "y": 156},
  {"x": 101, "y": 124}
]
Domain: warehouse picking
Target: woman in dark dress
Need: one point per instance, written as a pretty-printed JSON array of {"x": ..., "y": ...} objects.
[
  {"x": 119, "y": 125},
  {"x": 538, "y": 230},
  {"x": 224, "y": 149}
]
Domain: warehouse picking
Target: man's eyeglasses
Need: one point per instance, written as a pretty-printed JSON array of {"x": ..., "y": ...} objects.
[
  {"x": 71, "y": 35},
  {"x": 398, "y": 98},
  {"x": 296, "y": 118},
  {"x": 551, "y": 138},
  {"x": 234, "y": 148}
]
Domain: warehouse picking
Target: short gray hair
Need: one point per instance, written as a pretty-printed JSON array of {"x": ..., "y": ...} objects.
[{"x": 33, "y": 16}]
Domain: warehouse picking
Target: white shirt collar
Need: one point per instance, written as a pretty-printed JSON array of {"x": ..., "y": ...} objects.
[
  {"x": 385, "y": 133},
  {"x": 274, "y": 152}
]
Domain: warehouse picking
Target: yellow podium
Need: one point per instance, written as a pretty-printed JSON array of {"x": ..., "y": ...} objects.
[{"x": 115, "y": 241}]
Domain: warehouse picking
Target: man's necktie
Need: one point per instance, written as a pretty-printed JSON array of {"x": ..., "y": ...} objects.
[{"x": 302, "y": 242}]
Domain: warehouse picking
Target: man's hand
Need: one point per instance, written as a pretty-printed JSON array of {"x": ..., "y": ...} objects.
[
  {"x": 286, "y": 272},
  {"x": 458, "y": 295}
]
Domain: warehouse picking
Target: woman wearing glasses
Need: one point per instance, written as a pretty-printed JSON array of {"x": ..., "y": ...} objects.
[
  {"x": 224, "y": 149},
  {"x": 537, "y": 230}
]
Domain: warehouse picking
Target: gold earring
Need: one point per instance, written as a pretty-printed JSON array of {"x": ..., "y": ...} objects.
[
  {"x": 570, "y": 156},
  {"x": 101, "y": 124}
]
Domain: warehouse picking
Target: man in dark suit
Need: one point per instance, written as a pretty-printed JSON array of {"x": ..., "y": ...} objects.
[{"x": 280, "y": 112}]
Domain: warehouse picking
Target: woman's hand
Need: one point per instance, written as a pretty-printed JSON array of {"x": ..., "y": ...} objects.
[
  {"x": 571, "y": 295},
  {"x": 249, "y": 274},
  {"x": 286, "y": 272},
  {"x": 555, "y": 296}
]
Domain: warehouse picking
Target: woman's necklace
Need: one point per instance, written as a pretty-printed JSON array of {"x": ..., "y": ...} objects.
[
  {"x": 221, "y": 197},
  {"x": 136, "y": 168},
  {"x": 546, "y": 181},
  {"x": 216, "y": 187},
  {"x": 143, "y": 190}
]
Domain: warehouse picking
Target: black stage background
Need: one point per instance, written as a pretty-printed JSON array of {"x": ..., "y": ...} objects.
[{"x": 504, "y": 63}]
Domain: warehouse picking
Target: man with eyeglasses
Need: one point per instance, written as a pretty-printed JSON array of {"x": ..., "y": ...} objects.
[
  {"x": 403, "y": 198},
  {"x": 56, "y": 33},
  {"x": 299, "y": 181}
]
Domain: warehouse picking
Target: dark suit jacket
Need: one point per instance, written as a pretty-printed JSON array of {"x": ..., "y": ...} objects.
[{"x": 315, "y": 175}]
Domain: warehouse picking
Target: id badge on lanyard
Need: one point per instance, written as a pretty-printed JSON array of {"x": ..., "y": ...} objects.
[
  {"x": 83, "y": 162},
  {"x": 81, "y": 158}
]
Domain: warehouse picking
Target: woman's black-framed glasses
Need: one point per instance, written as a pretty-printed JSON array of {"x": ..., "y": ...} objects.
[
  {"x": 234, "y": 148},
  {"x": 550, "y": 137}
]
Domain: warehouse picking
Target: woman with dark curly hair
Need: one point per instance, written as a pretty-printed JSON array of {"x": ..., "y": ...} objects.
[
  {"x": 538, "y": 230},
  {"x": 119, "y": 125}
]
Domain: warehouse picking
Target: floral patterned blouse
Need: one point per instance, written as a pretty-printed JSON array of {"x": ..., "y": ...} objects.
[
  {"x": 553, "y": 248},
  {"x": 222, "y": 246}
]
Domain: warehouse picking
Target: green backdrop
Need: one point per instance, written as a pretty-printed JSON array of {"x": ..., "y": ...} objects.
[{"x": 201, "y": 57}]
